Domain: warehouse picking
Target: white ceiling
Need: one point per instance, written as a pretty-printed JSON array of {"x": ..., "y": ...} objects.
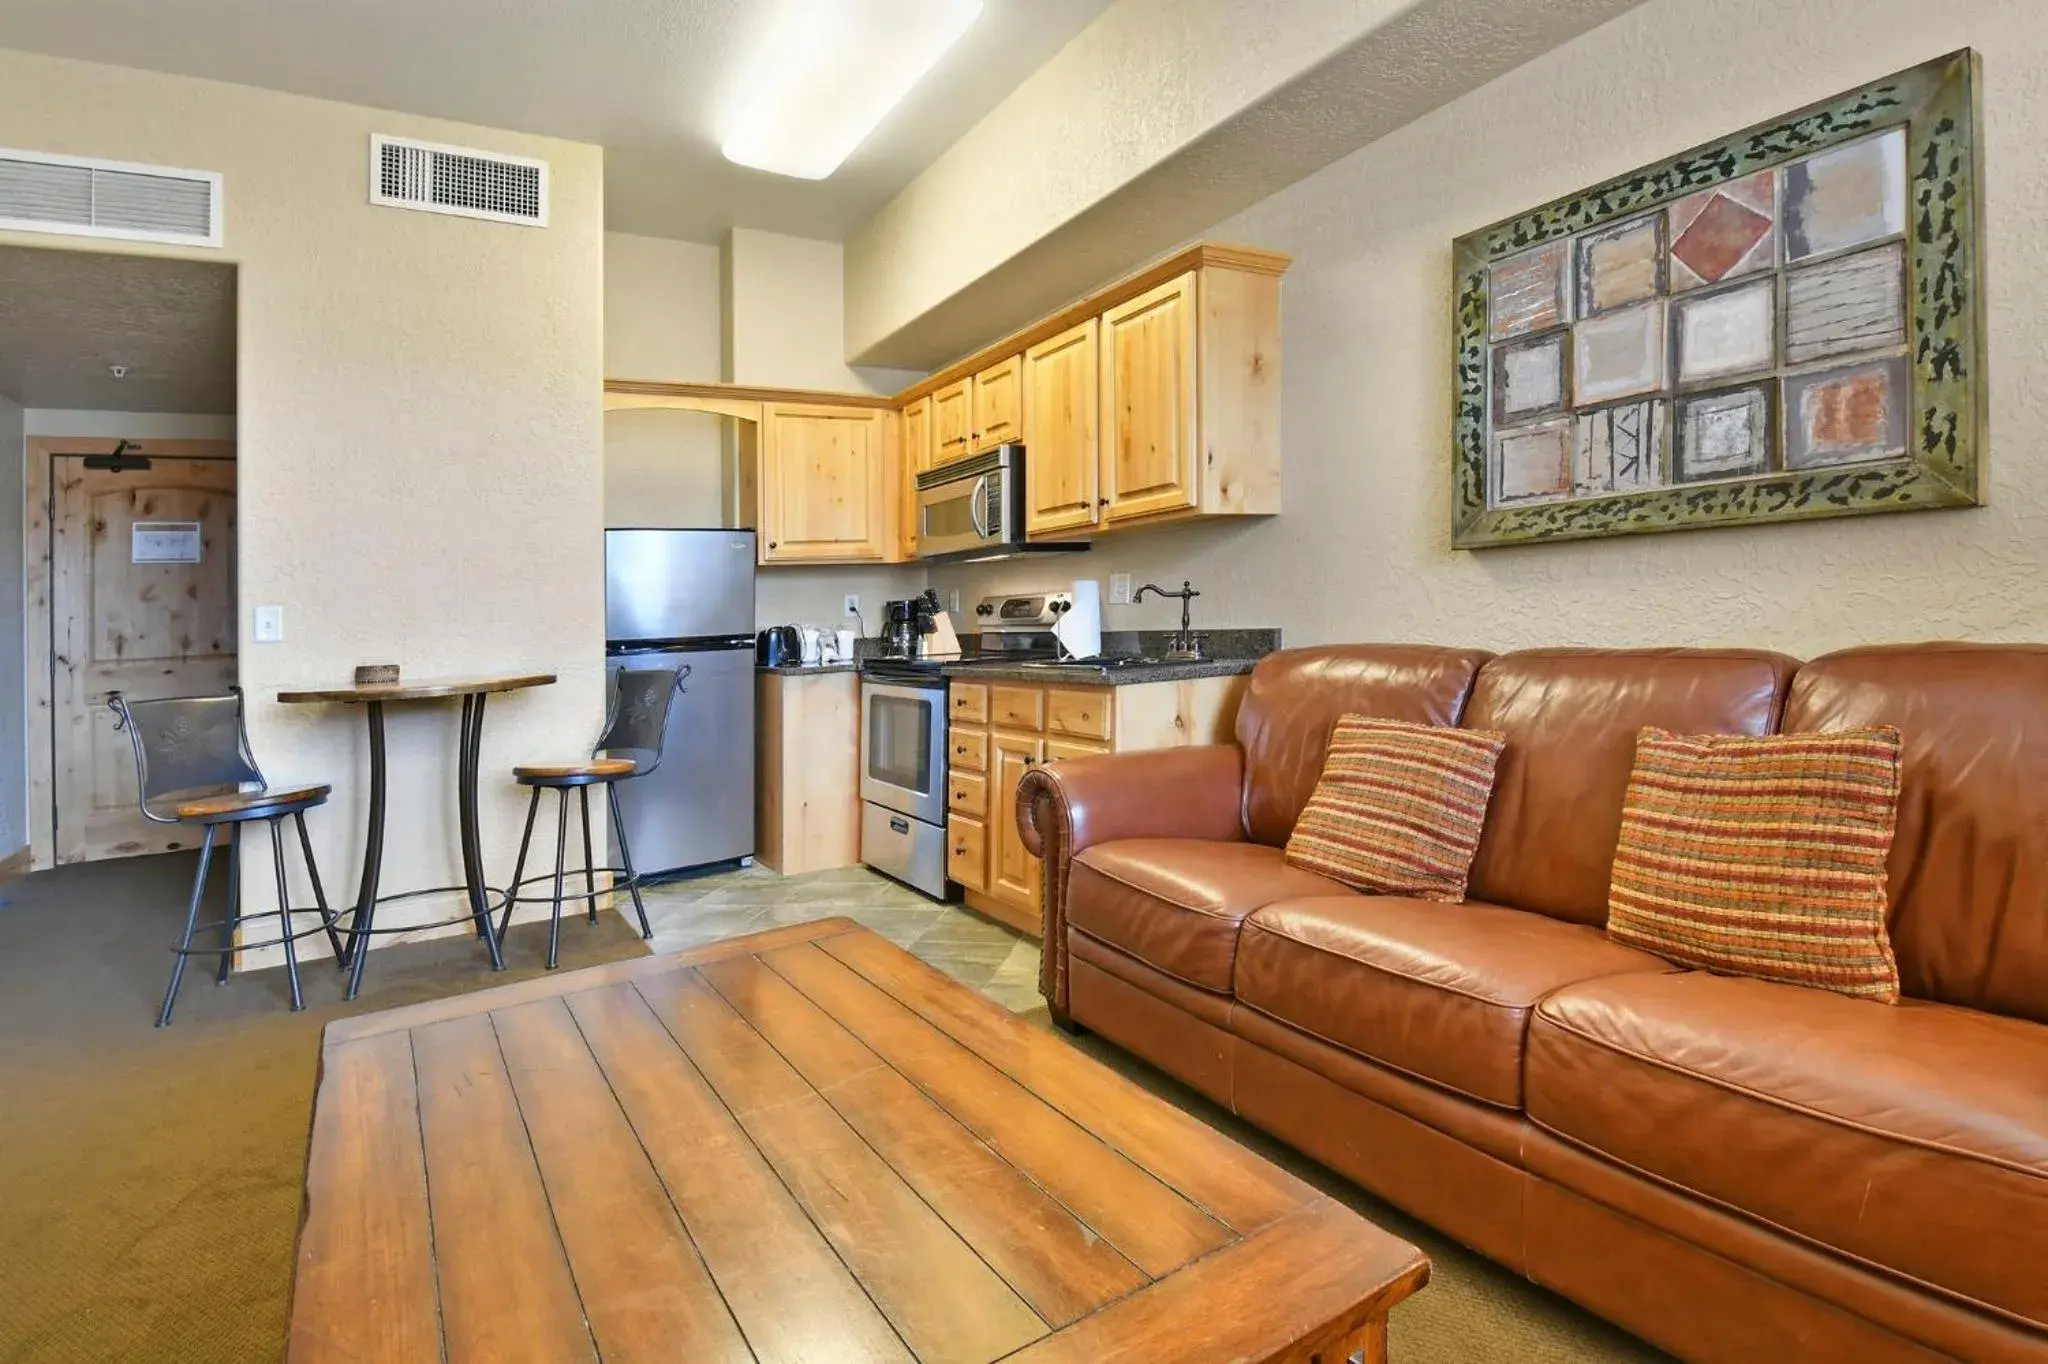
[
  {"x": 67, "y": 316},
  {"x": 644, "y": 78}
]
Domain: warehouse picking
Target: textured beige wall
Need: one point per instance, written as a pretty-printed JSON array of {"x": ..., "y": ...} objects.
[
  {"x": 662, "y": 321},
  {"x": 419, "y": 435},
  {"x": 785, "y": 316},
  {"x": 1363, "y": 548},
  {"x": 13, "y": 640}
]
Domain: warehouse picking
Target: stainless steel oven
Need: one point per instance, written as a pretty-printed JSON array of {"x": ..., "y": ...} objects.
[{"x": 903, "y": 779}]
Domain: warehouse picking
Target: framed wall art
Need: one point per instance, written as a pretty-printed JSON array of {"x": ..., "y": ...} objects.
[{"x": 1781, "y": 325}]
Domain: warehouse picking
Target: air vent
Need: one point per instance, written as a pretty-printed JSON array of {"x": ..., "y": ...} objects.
[
  {"x": 458, "y": 180},
  {"x": 85, "y": 198}
]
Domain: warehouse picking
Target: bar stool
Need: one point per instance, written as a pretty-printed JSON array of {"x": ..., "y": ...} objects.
[
  {"x": 629, "y": 747},
  {"x": 187, "y": 749}
]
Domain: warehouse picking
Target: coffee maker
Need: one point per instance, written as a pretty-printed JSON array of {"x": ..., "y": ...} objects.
[{"x": 906, "y": 622}]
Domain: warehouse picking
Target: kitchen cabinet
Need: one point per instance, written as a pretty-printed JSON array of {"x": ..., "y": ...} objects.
[
  {"x": 1149, "y": 404},
  {"x": 1061, "y": 424},
  {"x": 1001, "y": 730},
  {"x": 807, "y": 771},
  {"x": 953, "y": 422},
  {"x": 999, "y": 403},
  {"x": 914, "y": 437},
  {"x": 1013, "y": 871},
  {"x": 826, "y": 484}
]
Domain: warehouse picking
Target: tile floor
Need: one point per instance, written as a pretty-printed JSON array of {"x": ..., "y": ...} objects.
[{"x": 1001, "y": 964}]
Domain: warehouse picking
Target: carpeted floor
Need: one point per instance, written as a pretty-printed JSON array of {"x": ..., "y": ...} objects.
[{"x": 150, "y": 1178}]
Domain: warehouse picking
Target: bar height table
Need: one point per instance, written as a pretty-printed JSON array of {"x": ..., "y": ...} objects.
[{"x": 469, "y": 742}]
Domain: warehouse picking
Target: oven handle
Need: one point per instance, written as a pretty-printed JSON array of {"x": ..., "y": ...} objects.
[{"x": 977, "y": 506}]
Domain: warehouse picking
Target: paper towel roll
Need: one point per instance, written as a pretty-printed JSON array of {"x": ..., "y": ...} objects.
[{"x": 1079, "y": 630}]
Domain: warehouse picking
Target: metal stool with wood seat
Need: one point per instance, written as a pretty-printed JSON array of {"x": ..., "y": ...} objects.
[
  {"x": 192, "y": 765},
  {"x": 629, "y": 747}
]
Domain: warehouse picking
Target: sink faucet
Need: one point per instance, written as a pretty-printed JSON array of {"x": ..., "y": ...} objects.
[{"x": 1186, "y": 643}]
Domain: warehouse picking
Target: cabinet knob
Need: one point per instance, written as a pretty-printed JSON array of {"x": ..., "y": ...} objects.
[
  {"x": 771, "y": 544},
  {"x": 1100, "y": 502}
]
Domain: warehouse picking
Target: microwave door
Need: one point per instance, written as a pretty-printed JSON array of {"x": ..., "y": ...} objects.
[{"x": 951, "y": 517}]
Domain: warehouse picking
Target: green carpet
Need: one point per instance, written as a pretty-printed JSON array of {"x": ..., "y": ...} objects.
[{"x": 151, "y": 1176}]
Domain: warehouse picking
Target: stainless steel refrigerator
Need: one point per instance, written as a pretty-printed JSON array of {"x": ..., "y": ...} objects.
[{"x": 686, "y": 597}]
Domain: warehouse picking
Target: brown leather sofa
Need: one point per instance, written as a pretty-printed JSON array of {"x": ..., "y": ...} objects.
[{"x": 1733, "y": 1169}]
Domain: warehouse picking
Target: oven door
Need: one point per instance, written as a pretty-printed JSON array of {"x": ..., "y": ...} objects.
[{"x": 903, "y": 748}]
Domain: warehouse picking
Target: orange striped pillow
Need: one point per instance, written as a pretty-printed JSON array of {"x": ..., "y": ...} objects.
[
  {"x": 1399, "y": 807},
  {"x": 1762, "y": 857}
]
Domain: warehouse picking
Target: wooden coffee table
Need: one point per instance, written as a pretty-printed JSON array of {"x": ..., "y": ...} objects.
[{"x": 799, "y": 1145}]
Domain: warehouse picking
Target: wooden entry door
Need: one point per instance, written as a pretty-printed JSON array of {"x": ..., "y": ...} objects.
[{"x": 142, "y": 601}]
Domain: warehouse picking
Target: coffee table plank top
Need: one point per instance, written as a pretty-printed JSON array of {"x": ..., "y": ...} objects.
[{"x": 797, "y": 1145}]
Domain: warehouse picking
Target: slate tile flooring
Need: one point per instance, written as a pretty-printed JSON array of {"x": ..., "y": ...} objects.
[{"x": 994, "y": 960}]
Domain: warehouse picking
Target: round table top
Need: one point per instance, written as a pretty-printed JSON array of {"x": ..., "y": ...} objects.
[{"x": 421, "y": 689}]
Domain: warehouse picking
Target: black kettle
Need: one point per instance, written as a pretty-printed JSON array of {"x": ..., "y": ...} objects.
[{"x": 779, "y": 646}]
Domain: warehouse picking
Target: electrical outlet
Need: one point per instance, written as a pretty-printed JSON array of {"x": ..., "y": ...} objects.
[
  {"x": 268, "y": 624},
  {"x": 1119, "y": 589},
  {"x": 853, "y": 603}
]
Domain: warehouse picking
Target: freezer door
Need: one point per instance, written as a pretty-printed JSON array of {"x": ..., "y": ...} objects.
[
  {"x": 698, "y": 805},
  {"x": 678, "y": 584}
]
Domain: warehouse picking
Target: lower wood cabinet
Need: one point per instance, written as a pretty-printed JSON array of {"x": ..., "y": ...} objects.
[
  {"x": 806, "y": 809},
  {"x": 1001, "y": 730}
]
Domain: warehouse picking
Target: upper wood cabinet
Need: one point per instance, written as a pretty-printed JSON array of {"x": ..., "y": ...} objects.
[
  {"x": 953, "y": 422},
  {"x": 914, "y": 437},
  {"x": 999, "y": 403},
  {"x": 825, "y": 484},
  {"x": 1061, "y": 420},
  {"x": 1149, "y": 408}
]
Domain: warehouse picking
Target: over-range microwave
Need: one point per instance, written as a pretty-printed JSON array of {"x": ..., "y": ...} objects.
[{"x": 973, "y": 509}]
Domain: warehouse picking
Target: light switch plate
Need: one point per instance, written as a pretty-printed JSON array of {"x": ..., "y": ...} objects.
[
  {"x": 954, "y": 601},
  {"x": 1119, "y": 589},
  {"x": 269, "y": 624}
]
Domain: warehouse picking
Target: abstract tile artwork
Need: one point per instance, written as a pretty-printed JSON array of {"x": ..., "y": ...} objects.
[{"x": 1780, "y": 325}]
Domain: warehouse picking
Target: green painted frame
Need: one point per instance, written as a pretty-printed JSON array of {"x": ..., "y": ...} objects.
[{"x": 1936, "y": 102}]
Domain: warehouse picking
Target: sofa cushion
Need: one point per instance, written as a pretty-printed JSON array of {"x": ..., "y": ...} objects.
[
  {"x": 1440, "y": 991},
  {"x": 1762, "y": 856},
  {"x": 1294, "y": 700},
  {"x": 1913, "y": 1138},
  {"x": 1969, "y": 867},
  {"x": 1398, "y": 809},
  {"x": 1571, "y": 717},
  {"x": 1176, "y": 903}
]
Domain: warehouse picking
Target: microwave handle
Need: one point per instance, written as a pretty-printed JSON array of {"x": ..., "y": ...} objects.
[{"x": 978, "y": 506}]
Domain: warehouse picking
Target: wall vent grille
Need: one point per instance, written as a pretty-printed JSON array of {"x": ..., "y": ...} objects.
[
  {"x": 458, "y": 180},
  {"x": 81, "y": 197}
]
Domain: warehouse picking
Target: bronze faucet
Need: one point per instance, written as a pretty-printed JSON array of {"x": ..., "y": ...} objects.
[{"x": 1186, "y": 645}]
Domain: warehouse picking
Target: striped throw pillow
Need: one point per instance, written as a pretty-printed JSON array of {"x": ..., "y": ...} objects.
[
  {"x": 1399, "y": 807},
  {"x": 1762, "y": 857}
]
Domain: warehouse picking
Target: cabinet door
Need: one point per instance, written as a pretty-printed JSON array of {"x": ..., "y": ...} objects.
[
  {"x": 915, "y": 428},
  {"x": 1060, "y": 423},
  {"x": 953, "y": 422},
  {"x": 1013, "y": 872},
  {"x": 824, "y": 482},
  {"x": 967, "y": 851},
  {"x": 999, "y": 403},
  {"x": 1149, "y": 443}
]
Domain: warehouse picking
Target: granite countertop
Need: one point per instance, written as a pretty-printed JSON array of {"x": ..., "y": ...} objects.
[
  {"x": 1087, "y": 674},
  {"x": 807, "y": 669}
]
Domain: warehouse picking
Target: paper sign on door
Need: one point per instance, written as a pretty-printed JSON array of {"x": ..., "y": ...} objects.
[{"x": 165, "y": 542}]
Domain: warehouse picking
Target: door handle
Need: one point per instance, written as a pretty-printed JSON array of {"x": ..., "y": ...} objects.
[{"x": 977, "y": 507}]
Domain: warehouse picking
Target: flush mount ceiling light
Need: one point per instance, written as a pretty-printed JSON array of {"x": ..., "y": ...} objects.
[{"x": 828, "y": 72}]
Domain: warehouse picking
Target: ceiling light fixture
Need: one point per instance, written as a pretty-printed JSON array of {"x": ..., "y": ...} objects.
[{"x": 829, "y": 72}]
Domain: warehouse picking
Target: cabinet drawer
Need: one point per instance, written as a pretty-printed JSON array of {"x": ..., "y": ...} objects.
[
  {"x": 967, "y": 794},
  {"x": 967, "y": 702},
  {"x": 1057, "y": 750},
  {"x": 1017, "y": 707},
  {"x": 1083, "y": 714},
  {"x": 967, "y": 851},
  {"x": 967, "y": 749}
]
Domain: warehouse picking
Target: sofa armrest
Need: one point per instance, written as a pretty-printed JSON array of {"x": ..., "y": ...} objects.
[{"x": 1065, "y": 807}]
